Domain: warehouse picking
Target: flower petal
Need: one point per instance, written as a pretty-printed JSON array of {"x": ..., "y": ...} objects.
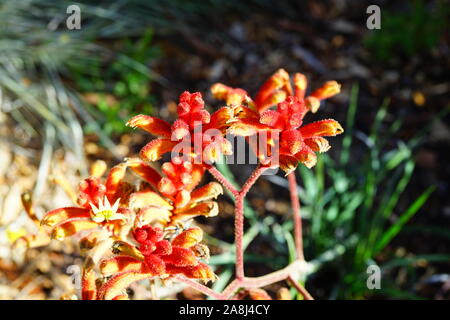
[
  {"x": 321, "y": 128},
  {"x": 181, "y": 257},
  {"x": 291, "y": 141},
  {"x": 115, "y": 177},
  {"x": 124, "y": 248},
  {"x": 118, "y": 283},
  {"x": 151, "y": 214},
  {"x": 209, "y": 191},
  {"x": 180, "y": 129},
  {"x": 88, "y": 282},
  {"x": 300, "y": 84},
  {"x": 247, "y": 127},
  {"x": 273, "y": 99},
  {"x": 329, "y": 89},
  {"x": 142, "y": 199},
  {"x": 98, "y": 168},
  {"x": 144, "y": 170},
  {"x": 232, "y": 96},
  {"x": 272, "y": 118},
  {"x": 221, "y": 118},
  {"x": 318, "y": 144},
  {"x": 56, "y": 216},
  {"x": 312, "y": 104},
  {"x": 200, "y": 271},
  {"x": 155, "y": 149},
  {"x": 276, "y": 82},
  {"x": 188, "y": 238},
  {"x": 155, "y": 264},
  {"x": 207, "y": 209},
  {"x": 288, "y": 163},
  {"x": 307, "y": 157},
  {"x": 182, "y": 198},
  {"x": 90, "y": 191},
  {"x": 121, "y": 264},
  {"x": 155, "y": 126},
  {"x": 72, "y": 227}
]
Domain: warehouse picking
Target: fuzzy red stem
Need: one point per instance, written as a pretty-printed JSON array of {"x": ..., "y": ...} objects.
[
  {"x": 296, "y": 214},
  {"x": 239, "y": 236},
  {"x": 239, "y": 220},
  {"x": 257, "y": 282},
  {"x": 286, "y": 273},
  {"x": 301, "y": 289},
  {"x": 224, "y": 181},
  {"x": 203, "y": 289}
]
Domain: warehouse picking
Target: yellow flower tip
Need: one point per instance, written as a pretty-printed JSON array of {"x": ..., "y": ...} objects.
[
  {"x": 214, "y": 211},
  {"x": 98, "y": 168},
  {"x": 329, "y": 89},
  {"x": 219, "y": 91},
  {"x": 336, "y": 126},
  {"x": 300, "y": 81},
  {"x": 281, "y": 77},
  {"x": 312, "y": 103}
]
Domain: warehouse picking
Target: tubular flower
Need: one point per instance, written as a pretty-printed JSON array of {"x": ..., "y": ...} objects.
[
  {"x": 173, "y": 197},
  {"x": 94, "y": 206},
  {"x": 154, "y": 256},
  {"x": 282, "y": 127},
  {"x": 195, "y": 133}
]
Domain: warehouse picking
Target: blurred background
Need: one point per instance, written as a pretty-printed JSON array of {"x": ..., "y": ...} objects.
[{"x": 380, "y": 196}]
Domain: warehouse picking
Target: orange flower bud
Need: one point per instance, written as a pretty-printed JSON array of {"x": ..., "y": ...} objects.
[
  {"x": 300, "y": 84},
  {"x": 152, "y": 125},
  {"x": 327, "y": 127},
  {"x": 188, "y": 238},
  {"x": 329, "y": 89}
]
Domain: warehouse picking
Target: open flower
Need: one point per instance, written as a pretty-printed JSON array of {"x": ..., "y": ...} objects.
[
  {"x": 106, "y": 212},
  {"x": 172, "y": 197},
  {"x": 195, "y": 133},
  {"x": 282, "y": 128},
  {"x": 153, "y": 256},
  {"x": 94, "y": 207}
]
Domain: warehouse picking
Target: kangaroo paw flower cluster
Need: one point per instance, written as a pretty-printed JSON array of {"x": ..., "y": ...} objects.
[
  {"x": 125, "y": 227},
  {"x": 196, "y": 134},
  {"x": 283, "y": 126},
  {"x": 154, "y": 255}
]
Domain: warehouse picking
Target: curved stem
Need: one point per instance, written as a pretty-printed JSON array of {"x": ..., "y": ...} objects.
[
  {"x": 224, "y": 181},
  {"x": 203, "y": 289},
  {"x": 239, "y": 220},
  {"x": 301, "y": 289},
  {"x": 239, "y": 236},
  {"x": 295, "y": 201}
]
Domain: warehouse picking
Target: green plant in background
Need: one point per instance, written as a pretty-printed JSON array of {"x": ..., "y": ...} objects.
[
  {"x": 350, "y": 210},
  {"x": 123, "y": 80},
  {"x": 408, "y": 32},
  {"x": 355, "y": 203}
]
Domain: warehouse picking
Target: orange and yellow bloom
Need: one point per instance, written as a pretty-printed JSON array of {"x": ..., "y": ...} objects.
[{"x": 283, "y": 127}]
